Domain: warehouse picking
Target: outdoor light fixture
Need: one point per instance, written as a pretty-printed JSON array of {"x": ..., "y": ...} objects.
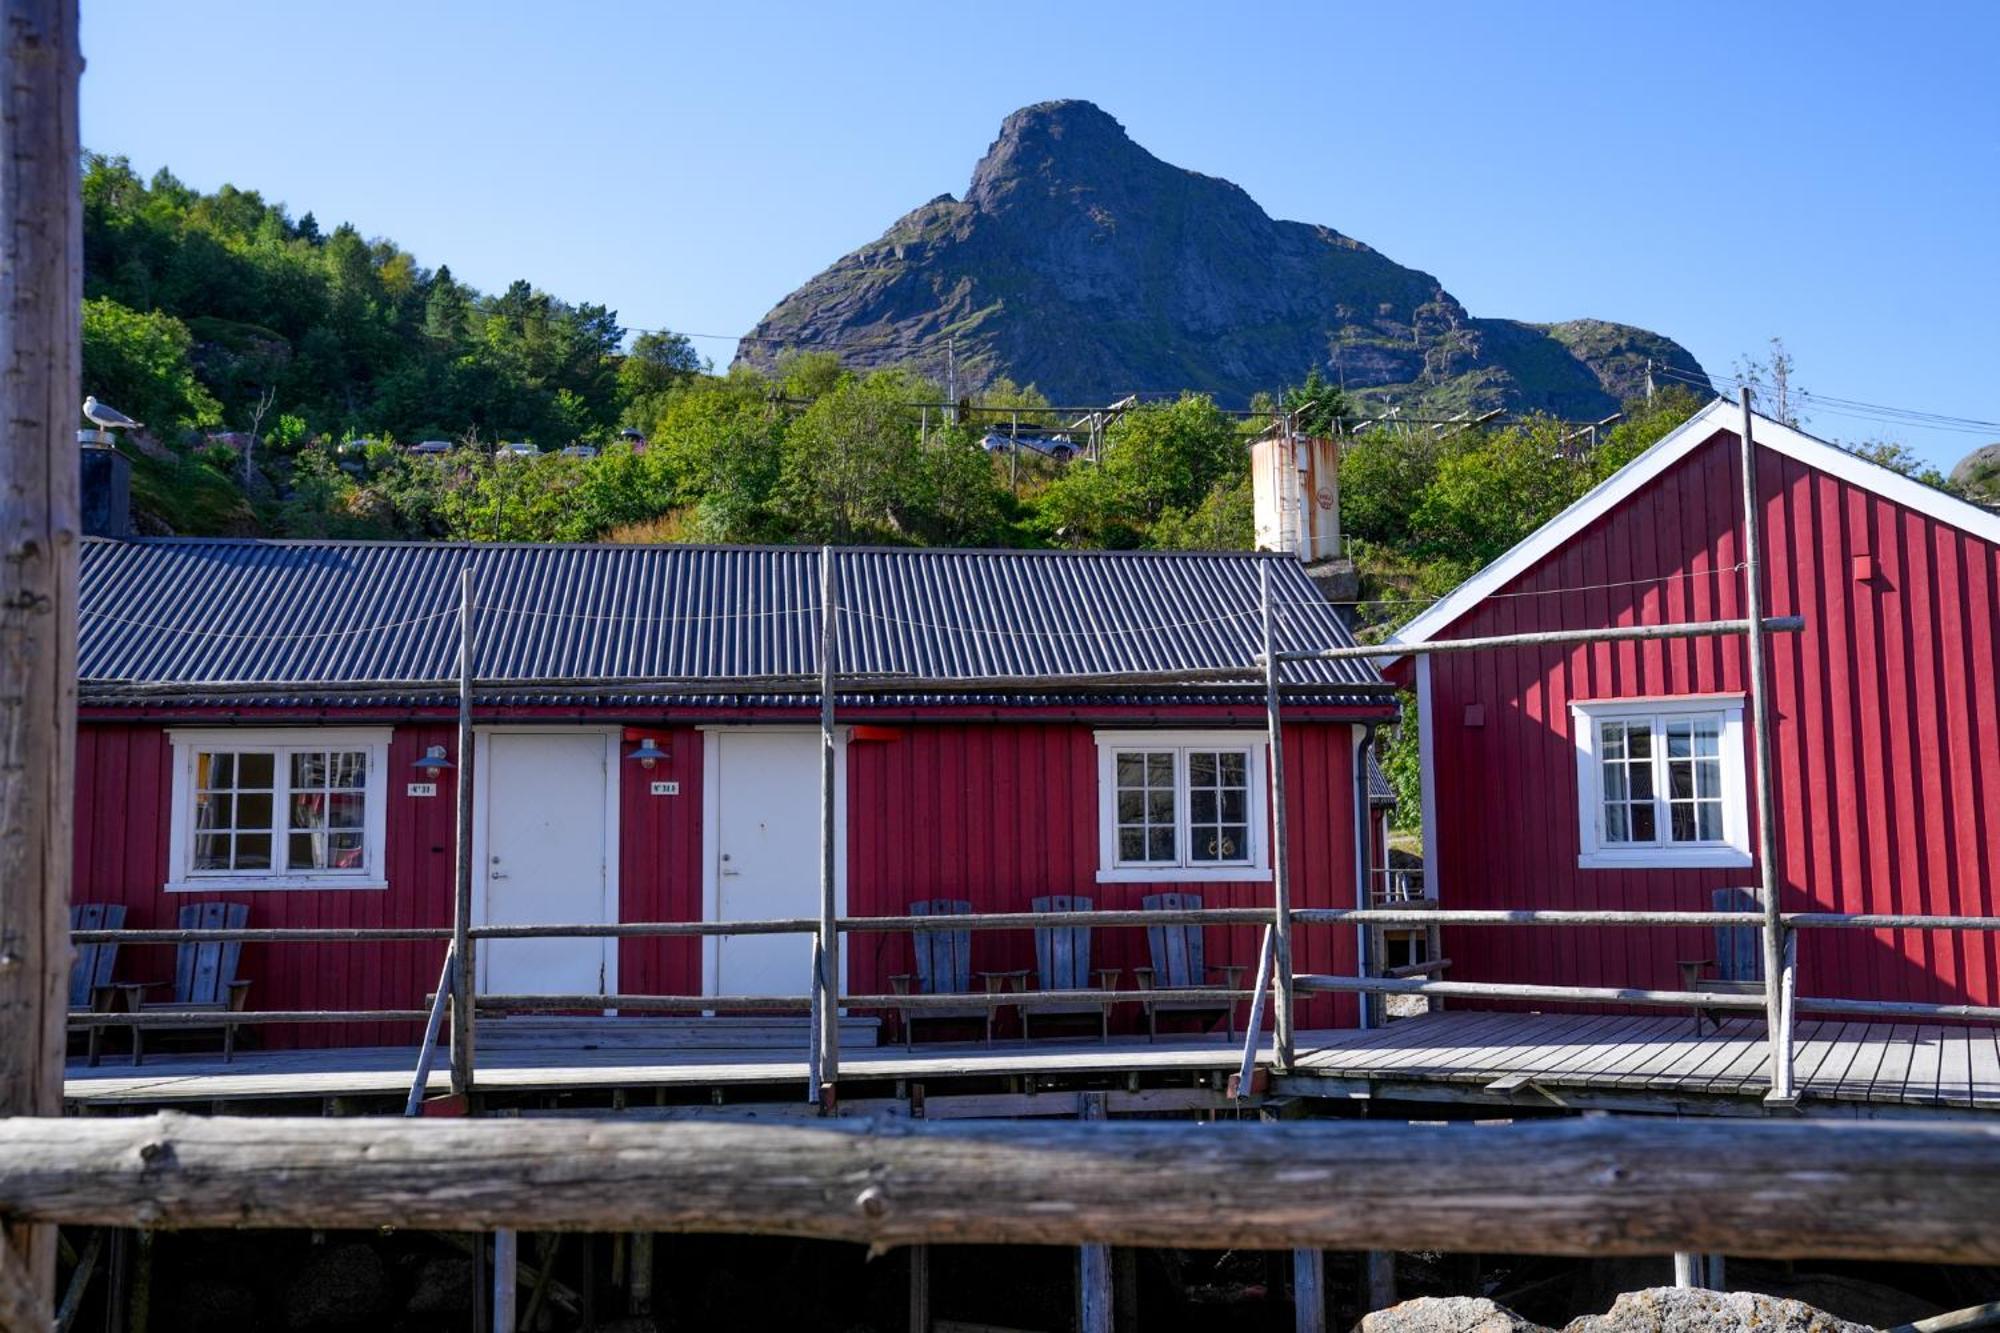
[
  {"x": 433, "y": 762},
  {"x": 648, "y": 754}
]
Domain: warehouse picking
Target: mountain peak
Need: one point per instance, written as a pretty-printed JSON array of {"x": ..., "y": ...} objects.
[{"x": 1081, "y": 263}]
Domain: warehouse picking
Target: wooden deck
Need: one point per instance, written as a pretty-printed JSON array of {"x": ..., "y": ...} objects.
[
  {"x": 1650, "y": 1063},
  {"x": 1655, "y": 1062}
]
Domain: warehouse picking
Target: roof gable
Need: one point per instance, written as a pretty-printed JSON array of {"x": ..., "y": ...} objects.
[{"x": 1718, "y": 417}]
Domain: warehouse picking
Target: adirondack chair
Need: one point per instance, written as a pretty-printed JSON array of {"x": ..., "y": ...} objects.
[
  {"x": 1179, "y": 963},
  {"x": 204, "y": 977},
  {"x": 90, "y": 986},
  {"x": 944, "y": 967},
  {"x": 1739, "y": 956},
  {"x": 1062, "y": 962}
]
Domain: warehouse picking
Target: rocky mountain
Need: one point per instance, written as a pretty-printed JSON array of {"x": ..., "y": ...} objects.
[{"x": 1080, "y": 263}]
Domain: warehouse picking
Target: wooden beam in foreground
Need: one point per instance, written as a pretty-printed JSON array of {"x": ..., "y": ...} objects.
[{"x": 1779, "y": 1189}]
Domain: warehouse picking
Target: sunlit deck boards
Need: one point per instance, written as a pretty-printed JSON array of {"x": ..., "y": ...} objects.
[
  {"x": 1652, "y": 1062},
  {"x": 1615, "y": 1061}
]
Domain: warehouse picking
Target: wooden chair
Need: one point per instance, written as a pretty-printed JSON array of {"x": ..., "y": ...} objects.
[
  {"x": 1179, "y": 964},
  {"x": 1739, "y": 956},
  {"x": 1062, "y": 962},
  {"x": 944, "y": 967},
  {"x": 204, "y": 977},
  {"x": 91, "y": 990}
]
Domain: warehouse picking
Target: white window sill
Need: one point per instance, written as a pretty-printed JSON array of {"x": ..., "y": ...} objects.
[
  {"x": 1185, "y": 875},
  {"x": 280, "y": 883},
  {"x": 1666, "y": 858}
]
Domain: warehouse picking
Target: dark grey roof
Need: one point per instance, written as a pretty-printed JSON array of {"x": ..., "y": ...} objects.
[
  {"x": 201, "y": 619},
  {"x": 1379, "y": 790}
]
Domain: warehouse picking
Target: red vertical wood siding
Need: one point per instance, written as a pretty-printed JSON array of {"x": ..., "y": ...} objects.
[
  {"x": 1887, "y": 741},
  {"x": 999, "y": 815}
]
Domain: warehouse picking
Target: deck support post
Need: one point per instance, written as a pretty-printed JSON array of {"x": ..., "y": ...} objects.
[
  {"x": 506, "y": 1273},
  {"x": 1283, "y": 1015},
  {"x": 1093, "y": 1262},
  {"x": 1309, "y": 1291},
  {"x": 41, "y": 295},
  {"x": 640, "y": 1253},
  {"x": 826, "y": 980},
  {"x": 1687, "y": 1267},
  {"x": 920, "y": 1288},
  {"x": 1381, "y": 1276},
  {"x": 1778, "y": 979},
  {"x": 463, "y": 972}
]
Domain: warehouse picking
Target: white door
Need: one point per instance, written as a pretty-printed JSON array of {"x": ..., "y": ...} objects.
[
  {"x": 767, "y": 860},
  {"x": 546, "y": 860}
]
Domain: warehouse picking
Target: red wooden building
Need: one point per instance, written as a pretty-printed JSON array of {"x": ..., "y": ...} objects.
[
  {"x": 1616, "y": 775},
  {"x": 273, "y": 723}
]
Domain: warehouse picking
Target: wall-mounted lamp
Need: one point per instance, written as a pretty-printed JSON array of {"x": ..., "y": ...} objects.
[
  {"x": 648, "y": 754},
  {"x": 433, "y": 762}
]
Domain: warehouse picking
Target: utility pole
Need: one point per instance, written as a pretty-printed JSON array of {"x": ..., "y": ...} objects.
[
  {"x": 1649, "y": 381},
  {"x": 41, "y": 299},
  {"x": 951, "y": 378}
]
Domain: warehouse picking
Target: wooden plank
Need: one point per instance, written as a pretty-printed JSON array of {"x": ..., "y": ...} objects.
[
  {"x": 1926, "y": 1064},
  {"x": 1309, "y": 1291},
  {"x": 1876, "y": 1042},
  {"x": 1811, "y": 1044},
  {"x": 1895, "y": 1068},
  {"x": 1955, "y": 1070},
  {"x": 1984, "y": 1052},
  {"x": 1570, "y": 1186},
  {"x": 1832, "y": 1072},
  {"x": 1516, "y": 1047},
  {"x": 1641, "y": 1051},
  {"x": 1748, "y": 1071},
  {"x": 1570, "y": 1057},
  {"x": 1683, "y": 1072},
  {"x": 1424, "y": 1045}
]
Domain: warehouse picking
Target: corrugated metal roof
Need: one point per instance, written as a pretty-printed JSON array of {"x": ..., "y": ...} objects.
[{"x": 200, "y": 617}]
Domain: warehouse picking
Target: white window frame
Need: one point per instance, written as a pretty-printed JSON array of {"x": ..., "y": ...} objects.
[
  {"x": 1184, "y": 870},
  {"x": 1733, "y": 851},
  {"x": 184, "y": 878}
]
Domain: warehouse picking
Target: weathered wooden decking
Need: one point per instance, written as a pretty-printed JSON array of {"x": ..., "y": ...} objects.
[
  {"x": 1654, "y": 1062},
  {"x": 1620, "y": 1062}
]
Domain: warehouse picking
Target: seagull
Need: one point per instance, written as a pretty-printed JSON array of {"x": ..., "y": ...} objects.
[{"x": 106, "y": 416}]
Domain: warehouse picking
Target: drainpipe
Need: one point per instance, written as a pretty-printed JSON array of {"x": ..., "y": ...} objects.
[{"x": 1363, "y": 835}]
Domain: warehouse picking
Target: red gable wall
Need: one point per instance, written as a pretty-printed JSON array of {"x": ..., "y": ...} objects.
[{"x": 1887, "y": 740}]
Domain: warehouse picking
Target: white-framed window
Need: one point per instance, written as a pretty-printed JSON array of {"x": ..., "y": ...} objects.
[
  {"x": 1180, "y": 806},
  {"x": 278, "y": 808},
  {"x": 1660, "y": 782}
]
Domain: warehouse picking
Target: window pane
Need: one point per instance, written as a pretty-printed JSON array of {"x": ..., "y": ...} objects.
[
  {"x": 214, "y": 770},
  {"x": 256, "y": 771},
  {"x": 1708, "y": 779},
  {"x": 1235, "y": 769},
  {"x": 1708, "y": 736},
  {"x": 1681, "y": 822},
  {"x": 1131, "y": 844},
  {"x": 349, "y": 769},
  {"x": 345, "y": 851},
  {"x": 1160, "y": 844},
  {"x": 1160, "y": 806},
  {"x": 1201, "y": 769},
  {"x": 308, "y": 810},
  {"x": 216, "y": 812},
  {"x": 1680, "y": 740},
  {"x": 1160, "y": 770},
  {"x": 1643, "y": 829},
  {"x": 1617, "y": 824},
  {"x": 1235, "y": 805},
  {"x": 307, "y": 851},
  {"x": 1131, "y": 806},
  {"x": 1131, "y": 769},
  {"x": 1202, "y": 805},
  {"x": 1680, "y": 780},
  {"x": 254, "y": 811},
  {"x": 211, "y": 851},
  {"x": 1642, "y": 782},
  {"x": 1641, "y": 742},
  {"x": 1709, "y": 821},
  {"x": 309, "y": 770},
  {"x": 1611, "y": 740},
  {"x": 253, "y": 851},
  {"x": 1615, "y": 785}
]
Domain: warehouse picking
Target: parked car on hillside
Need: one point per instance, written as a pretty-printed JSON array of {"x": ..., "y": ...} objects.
[
  {"x": 580, "y": 451},
  {"x": 1058, "y": 447},
  {"x": 517, "y": 449},
  {"x": 431, "y": 447}
]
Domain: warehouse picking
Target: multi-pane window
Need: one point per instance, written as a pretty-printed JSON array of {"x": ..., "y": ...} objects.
[
  {"x": 1181, "y": 805},
  {"x": 257, "y": 809},
  {"x": 1662, "y": 786}
]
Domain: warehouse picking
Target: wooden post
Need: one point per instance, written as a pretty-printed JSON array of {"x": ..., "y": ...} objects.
[
  {"x": 641, "y": 1255},
  {"x": 506, "y": 1272},
  {"x": 1685, "y": 1264},
  {"x": 1281, "y": 889},
  {"x": 1776, "y": 974},
  {"x": 920, "y": 1288},
  {"x": 1093, "y": 1262},
  {"x": 828, "y": 980},
  {"x": 463, "y": 973},
  {"x": 41, "y": 296},
  {"x": 1381, "y": 1272},
  {"x": 1309, "y": 1291}
]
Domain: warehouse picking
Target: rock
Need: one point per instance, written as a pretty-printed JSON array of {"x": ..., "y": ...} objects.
[
  {"x": 1080, "y": 263},
  {"x": 1446, "y": 1314},
  {"x": 443, "y": 1284},
  {"x": 1690, "y": 1310},
  {"x": 1979, "y": 473},
  {"x": 343, "y": 1284}
]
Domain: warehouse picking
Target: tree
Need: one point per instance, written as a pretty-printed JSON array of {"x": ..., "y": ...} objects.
[
  {"x": 656, "y": 363},
  {"x": 1317, "y": 407},
  {"x": 141, "y": 364},
  {"x": 846, "y": 459},
  {"x": 1159, "y": 458}
]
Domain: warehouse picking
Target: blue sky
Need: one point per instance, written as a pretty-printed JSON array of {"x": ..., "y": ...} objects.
[{"x": 1723, "y": 173}]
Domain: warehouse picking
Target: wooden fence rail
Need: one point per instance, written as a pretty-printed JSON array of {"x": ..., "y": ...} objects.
[{"x": 1920, "y": 1192}]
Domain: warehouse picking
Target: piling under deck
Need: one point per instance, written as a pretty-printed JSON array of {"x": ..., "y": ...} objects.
[{"x": 1649, "y": 1063}]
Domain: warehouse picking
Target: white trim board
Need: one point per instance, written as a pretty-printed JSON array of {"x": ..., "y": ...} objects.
[{"x": 1719, "y": 416}]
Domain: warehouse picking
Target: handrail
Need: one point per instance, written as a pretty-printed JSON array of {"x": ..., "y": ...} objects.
[{"x": 427, "y": 1052}]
